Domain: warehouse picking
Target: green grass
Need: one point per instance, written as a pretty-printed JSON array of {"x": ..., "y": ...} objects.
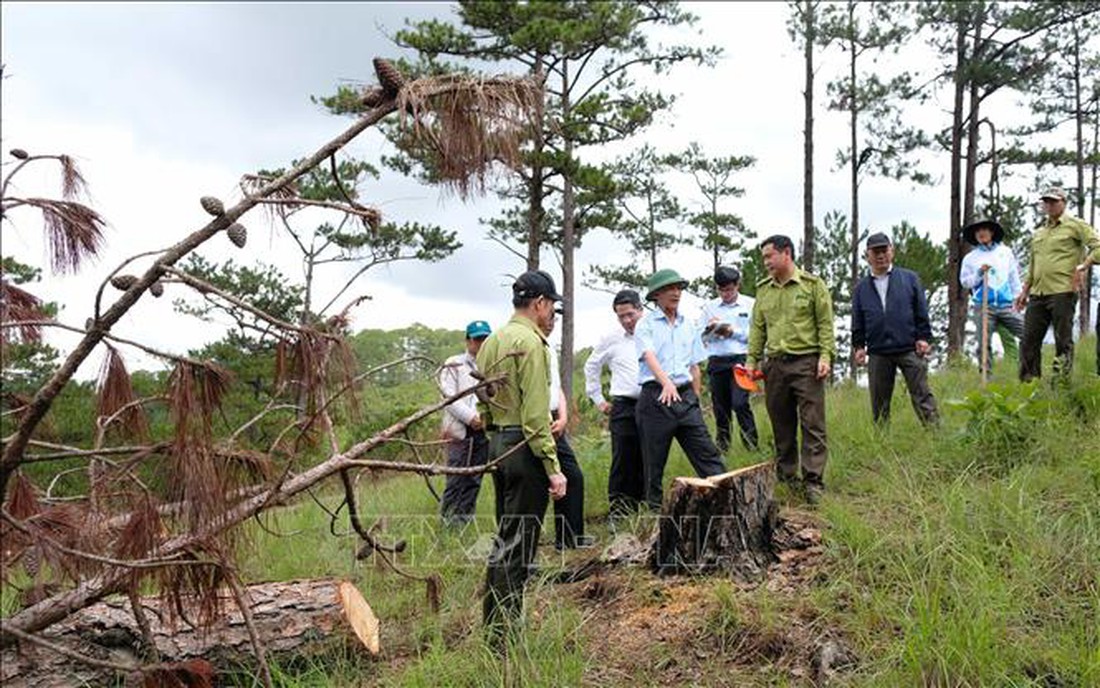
[{"x": 968, "y": 555}]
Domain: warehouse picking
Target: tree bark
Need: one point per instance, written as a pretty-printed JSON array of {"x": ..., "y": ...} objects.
[
  {"x": 854, "y": 143},
  {"x": 1079, "y": 117},
  {"x": 722, "y": 523},
  {"x": 293, "y": 619},
  {"x": 568, "y": 247},
  {"x": 808, "y": 142},
  {"x": 973, "y": 122},
  {"x": 956, "y": 318},
  {"x": 535, "y": 212}
]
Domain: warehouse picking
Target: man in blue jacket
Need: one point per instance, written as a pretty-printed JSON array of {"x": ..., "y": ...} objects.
[{"x": 890, "y": 330}]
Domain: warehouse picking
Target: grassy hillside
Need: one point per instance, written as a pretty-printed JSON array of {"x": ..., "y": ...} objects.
[{"x": 964, "y": 556}]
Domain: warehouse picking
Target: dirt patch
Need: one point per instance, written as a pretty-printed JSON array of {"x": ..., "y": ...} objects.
[{"x": 673, "y": 631}]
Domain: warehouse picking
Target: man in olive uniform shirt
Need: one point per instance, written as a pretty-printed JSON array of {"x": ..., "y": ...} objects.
[
  {"x": 519, "y": 412},
  {"x": 792, "y": 325},
  {"x": 1061, "y": 250}
]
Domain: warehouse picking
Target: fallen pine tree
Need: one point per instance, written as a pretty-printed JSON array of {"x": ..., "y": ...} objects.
[{"x": 293, "y": 620}]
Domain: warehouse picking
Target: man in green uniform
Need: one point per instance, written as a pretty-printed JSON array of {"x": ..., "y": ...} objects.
[
  {"x": 1061, "y": 250},
  {"x": 518, "y": 413},
  {"x": 792, "y": 325}
]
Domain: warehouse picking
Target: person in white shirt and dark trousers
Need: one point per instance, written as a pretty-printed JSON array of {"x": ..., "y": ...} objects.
[
  {"x": 725, "y": 325},
  {"x": 626, "y": 480},
  {"x": 995, "y": 265},
  {"x": 463, "y": 429}
]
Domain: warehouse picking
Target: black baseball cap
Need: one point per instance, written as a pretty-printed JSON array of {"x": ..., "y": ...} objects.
[
  {"x": 535, "y": 283},
  {"x": 877, "y": 240}
]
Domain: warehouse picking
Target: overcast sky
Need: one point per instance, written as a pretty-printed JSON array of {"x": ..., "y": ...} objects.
[{"x": 163, "y": 103}]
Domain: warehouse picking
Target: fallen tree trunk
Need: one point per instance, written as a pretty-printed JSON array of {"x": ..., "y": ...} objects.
[
  {"x": 722, "y": 523},
  {"x": 292, "y": 619}
]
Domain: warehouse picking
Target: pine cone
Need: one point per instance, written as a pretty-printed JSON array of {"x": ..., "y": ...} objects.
[
  {"x": 123, "y": 282},
  {"x": 157, "y": 288},
  {"x": 237, "y": 234},
  {"x": 388, "y": 76},
  {"x": 373, "y": 97},
  {"x": 212, "y": 205},
  {"x": 19, "y": 153}
]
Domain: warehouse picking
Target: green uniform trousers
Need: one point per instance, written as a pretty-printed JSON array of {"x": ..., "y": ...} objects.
[
  {"x": 1043, "y": 311},
  {"x": 522, "y": 493},
  {"x": 795, "y": 397}
]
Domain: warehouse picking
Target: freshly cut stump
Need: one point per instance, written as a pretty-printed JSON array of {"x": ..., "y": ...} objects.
[
  {"x": 719, "y": 524},
  {"x": 294, "y": 619}
]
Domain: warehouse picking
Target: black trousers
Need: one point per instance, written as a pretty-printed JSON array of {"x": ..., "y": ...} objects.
[
  {"x": 522, "y": 492},
  {"x": 728, "y": 399},
  {"x": 626, "y": 481},
  {"x": 569, "y": 510},
  {"x": 658, "y": 424},
  {"x": 881, "y": 374},
  {"x": 1042, "y": 311},
  {"x": 460, "y": 494}
]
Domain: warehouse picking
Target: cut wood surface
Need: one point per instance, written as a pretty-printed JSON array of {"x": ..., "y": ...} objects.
[
  {"x": 722, "y": 523},
  {"x": 293, "y": 618}
]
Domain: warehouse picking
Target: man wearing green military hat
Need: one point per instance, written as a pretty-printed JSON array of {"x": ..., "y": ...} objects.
[
  {"x": 792, "y": 334},
  {"x": 669, "y": 350}
]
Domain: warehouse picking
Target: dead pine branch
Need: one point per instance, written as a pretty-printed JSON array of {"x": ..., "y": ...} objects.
[
  {"x": 173, "y": 550},
  {"x": 181, "y": 538}
]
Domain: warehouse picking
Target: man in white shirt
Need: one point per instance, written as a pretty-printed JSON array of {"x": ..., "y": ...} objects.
[
  {"x": 626, "y": 480},
  {"x": 463, "y": 429},
  {"x": 725, "y": 324}
]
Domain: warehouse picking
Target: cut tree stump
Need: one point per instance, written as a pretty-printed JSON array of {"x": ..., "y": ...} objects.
[
  {"x": 719, "y": 524},
  {"x": 293, "y": 619}
]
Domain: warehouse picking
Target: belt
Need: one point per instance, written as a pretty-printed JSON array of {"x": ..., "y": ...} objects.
[
  {"x": 793, "y": 357},
  {"x": 504, "y": 428},
  {"x": 728, "y": 357},
  {"x": 653, "y": 384},
  {"x": 624, "y": 400}
]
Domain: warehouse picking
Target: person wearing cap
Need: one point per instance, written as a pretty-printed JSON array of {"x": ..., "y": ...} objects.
[
  {"x": 569, "y": 510},
  {"x": 626, "y": 479},
  {"x": 1062, "y": 248},
  {"x": 792, "y": 341},
  {"x": 995, "y": 265},
  {"x": 516, "y": 413},
  {"x": 891, "y": 331},
  {"x": 669, "y": 350},
  {"x": 463, "y": 429},
  {"x": 725, "y": 326}
]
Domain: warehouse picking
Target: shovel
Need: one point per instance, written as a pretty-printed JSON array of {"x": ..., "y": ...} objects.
[{"x": 745, "y": 379}]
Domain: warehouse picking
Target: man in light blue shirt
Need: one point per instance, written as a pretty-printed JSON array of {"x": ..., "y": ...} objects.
[
  {"x": 670, "y": 350},
  {"x": 725, "y": 326}
]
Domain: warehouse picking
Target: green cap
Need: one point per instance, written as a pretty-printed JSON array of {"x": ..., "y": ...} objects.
[{"x": 661, "y": 279}]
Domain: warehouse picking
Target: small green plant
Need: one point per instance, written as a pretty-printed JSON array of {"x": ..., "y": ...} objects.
[{"x": 1002, "y": 418}]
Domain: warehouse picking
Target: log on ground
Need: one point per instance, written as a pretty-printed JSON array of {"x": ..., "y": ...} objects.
[
  {"x": 719, "y": 524},
  {"x": 294, "y": 619}
]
